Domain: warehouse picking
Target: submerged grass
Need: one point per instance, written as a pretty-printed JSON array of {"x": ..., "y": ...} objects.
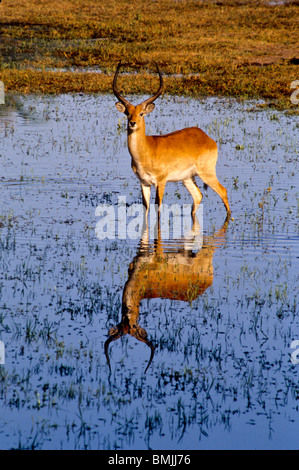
[
  {"x": 222, "y": 364},
  {"x": 240, "y": 48}
]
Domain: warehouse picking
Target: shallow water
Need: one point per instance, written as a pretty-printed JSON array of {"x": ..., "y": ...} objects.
[{"x": 222, "y": 375}]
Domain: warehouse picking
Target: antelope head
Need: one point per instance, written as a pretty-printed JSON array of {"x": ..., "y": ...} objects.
[
  {"x": 135, "y": 114},
  {"x": 129, "y": 323},
  {"x": 126, "y": 326}
]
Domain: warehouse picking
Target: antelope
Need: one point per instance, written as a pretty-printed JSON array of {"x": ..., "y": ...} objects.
[
  {"x": 177, "y": 274},
  {"x": 178, "y": 156}
]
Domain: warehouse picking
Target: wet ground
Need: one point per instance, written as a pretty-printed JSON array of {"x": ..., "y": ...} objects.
[{"x": 224, "y": 314}]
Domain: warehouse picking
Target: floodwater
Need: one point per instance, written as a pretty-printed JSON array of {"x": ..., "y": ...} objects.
[{"x": 214, "y": 319}]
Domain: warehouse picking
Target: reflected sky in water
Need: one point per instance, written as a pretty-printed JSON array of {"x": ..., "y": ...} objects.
[{"x": 219, "y": 316}]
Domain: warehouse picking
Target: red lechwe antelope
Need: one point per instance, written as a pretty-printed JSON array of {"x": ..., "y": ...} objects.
[
  {"x": 177, "y": 274},
  {"x": 179, "y": 156}
]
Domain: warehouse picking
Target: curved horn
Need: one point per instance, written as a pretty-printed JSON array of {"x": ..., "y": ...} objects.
[
  {"x": 115, "y": 90},
  {"x": 106, "y": 346},
  {"x": 150, "y": 344},
  {"x": 158, "y": 93},
  {"x": 141, "y": 335}
]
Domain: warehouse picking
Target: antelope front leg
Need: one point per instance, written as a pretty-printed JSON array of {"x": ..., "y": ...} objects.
[
  {"x": 159, "y": 195},
  {"x": 146, "y": 194}
]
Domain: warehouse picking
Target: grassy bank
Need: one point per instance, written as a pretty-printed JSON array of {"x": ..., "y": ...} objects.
[{"x": 237, "y": 48}]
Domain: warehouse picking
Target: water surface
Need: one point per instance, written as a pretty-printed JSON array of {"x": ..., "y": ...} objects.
[{"x": 221, "y": 376}]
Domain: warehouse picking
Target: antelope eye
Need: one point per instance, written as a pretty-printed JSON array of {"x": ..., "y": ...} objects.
[{"x": 141, "y": 114}]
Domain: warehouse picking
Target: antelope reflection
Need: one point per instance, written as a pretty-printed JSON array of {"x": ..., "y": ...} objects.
[{"x": 157, "y": 271}]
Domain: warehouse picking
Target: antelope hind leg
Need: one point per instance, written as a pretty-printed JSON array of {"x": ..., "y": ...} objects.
[{"x": 195, "y": 193}]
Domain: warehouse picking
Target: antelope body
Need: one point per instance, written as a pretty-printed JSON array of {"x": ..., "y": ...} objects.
[{"x": 178, "y": 156}]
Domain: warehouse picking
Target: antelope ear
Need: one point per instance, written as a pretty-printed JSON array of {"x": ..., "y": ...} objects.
[
  {"x": 149, "y": 108},
  {"x": 121, "y": 107}
]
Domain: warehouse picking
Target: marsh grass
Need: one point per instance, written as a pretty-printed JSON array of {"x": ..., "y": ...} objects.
[
  {"x": 222, "y": 366},
  {"x": 236, "y": 48}
]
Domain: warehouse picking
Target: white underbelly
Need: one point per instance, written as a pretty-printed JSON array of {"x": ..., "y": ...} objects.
[
  {"x": 149, "y": 179},
  {"x": 181, "y": 175}
]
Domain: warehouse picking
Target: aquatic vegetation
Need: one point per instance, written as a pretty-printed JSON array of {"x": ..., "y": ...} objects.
[{"x": 221, "y": 376}]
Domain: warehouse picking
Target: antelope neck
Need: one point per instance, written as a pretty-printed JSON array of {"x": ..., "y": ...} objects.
[{"x": 137, "y": 142}]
